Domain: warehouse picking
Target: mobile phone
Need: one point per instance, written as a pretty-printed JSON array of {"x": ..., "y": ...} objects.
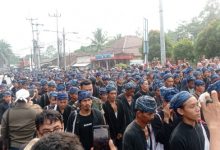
[{"x": 101, "y": 137}]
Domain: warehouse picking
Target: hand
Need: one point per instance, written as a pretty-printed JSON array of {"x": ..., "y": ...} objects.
[
  {"x": 111, "y": 145},
  {"x": 211, "y": 111},
  {"x": 167, "y": 113}
]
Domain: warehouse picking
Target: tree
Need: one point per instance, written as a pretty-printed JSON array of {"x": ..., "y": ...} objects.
[
  {"x": 154, "y": 45},
  {"x": 183, "y": 49},
  {"x": 99, "y": 39},
  {"x": 6, "y": 53},
  {"x": 207, "y": 42},
  {"x": 50, "y": 52},
  {"x": 211, "y": 12}
]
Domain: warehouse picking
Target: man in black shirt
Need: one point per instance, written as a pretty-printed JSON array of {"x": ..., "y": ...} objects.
[
  {"x": 81, "y": 122},
  {"x": 144, "y": 89},
  {"x": 128, "y": 102},
  {"x": 62, "y": 106},
  {"x": 189, "y": 134},
  {"x": 137, "y": 134}
]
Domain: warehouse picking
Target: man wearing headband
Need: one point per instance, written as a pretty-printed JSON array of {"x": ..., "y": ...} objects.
[
  {"x": 53, "y": 101},
  {"x": 168, "y": 80},
  {"x": 199, "y": 88},
  {"x": 7, "y": 103},
  {"x": 62, "y": 106},
  {"x": 144, "y": 89},
  {"x": 165, "y": 119},
  {"x": 103, "y": 94},
  {"x": 81, "y": 122},
  {"x": 114, "y": 115},
  {"x": 137, "y": 135},
  {"x": 189, "y": 134},
  {"x": 128, "y": 102}
]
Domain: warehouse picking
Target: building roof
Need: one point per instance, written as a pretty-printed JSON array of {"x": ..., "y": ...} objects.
[{"x": 127, "y": 44}]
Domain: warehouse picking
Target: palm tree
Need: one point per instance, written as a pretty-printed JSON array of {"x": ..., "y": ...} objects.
[{"x": 99, "y": 40}]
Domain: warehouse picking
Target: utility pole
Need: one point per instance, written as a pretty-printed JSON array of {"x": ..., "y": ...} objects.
[
  {"x": 146, "y": 43},
  {"x": 38, "y": 46},
  {"x": 162, "y": 38},
  {"x": 64, "y": 51},
  {"x": 33, "y": 51},
  {"x": 58, "y": 44}
]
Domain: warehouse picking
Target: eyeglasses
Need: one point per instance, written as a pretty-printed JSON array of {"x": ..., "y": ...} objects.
[{"x": 47, "y": 131}]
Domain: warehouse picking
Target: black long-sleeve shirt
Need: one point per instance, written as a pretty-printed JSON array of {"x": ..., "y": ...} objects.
[
  {"x": 116, "y": 124},
  {"x": 187, "y": 137},
  {"x": 162, "y": 130},
  {"x": 134, "y": 138},
  {"x": 128, "y": 109}
]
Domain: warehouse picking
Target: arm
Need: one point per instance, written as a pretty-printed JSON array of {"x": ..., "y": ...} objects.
[
  {"x": 4, "y": 125},
  {"x": 127, "y": 142},
  {"x": 70, "y": 121},
  {"x": 211, "y": 112}
]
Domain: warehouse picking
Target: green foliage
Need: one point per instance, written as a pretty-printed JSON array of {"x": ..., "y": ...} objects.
[
  {"x": 208, "y": 39},
  {"x": 123, "y": 66},
  {"x": 184, "y": 49},
  {"x": 99, "y": 40},
  {"x": 154, "y": 45},
  {"x": 50, "y": 52},
  {"x": 6, "y": 52}
]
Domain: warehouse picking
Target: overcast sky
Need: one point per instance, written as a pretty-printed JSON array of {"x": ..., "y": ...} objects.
[{"x": 84, "y": 16}]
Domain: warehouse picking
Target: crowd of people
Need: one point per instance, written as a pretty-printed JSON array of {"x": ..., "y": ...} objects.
[{"x": 166, "y": 108}]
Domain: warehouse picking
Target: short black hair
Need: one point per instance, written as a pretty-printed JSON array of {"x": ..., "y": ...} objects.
[
  {"x": 58, "y": 141},
  {"x": 51, "y": 115},
  {"x": 85, "y": 82}
]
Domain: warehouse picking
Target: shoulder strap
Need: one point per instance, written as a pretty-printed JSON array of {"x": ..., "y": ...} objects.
[
  {"x": 159, "y": 117},
  {"x": 96, "y": 116},
  {"x": 74, "y": 122}
]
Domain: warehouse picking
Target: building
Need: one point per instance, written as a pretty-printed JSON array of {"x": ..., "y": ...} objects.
[{"x": 121, "y": 51}]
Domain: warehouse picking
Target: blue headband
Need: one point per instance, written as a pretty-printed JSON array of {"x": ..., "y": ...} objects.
[
  {"x": 180, "y": 98},
  {"x": 146, "y": 104},
  {"x": 83, "y": 95}
]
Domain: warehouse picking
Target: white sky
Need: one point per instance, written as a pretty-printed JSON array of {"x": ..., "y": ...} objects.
[{"x": 84, "y": 16}]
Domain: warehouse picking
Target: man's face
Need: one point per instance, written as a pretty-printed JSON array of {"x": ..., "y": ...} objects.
[
  {"x": 191, "y": 84},
  {"x": 176, "y": 80},
  {"x": 49, "y": 127},
  {"x": 120, "y": 80},
  {"x": 112, "y": 95},
  {"x": 103, "y": 97},
  {"x": 86, "y": 104},
  {"x": 169, "y": 82},
  {"x": 105, "y": 82},
  {"x": 7, "y": 98},
  {"x": 206, "y": 74},
  {"x": 45, "y": 87},
  {"x": 74, "y": 97},
  {"x": 200, "y": 88},
  {"x": 51, "y": 88},
  {"x": 157, "y": 92},
  {"x": 62, "y": 103},
  {"x": 53, "y": 101},
  {"x": 88, "y": 88},
  {"x": 130, "y": 92},
  {"x": 191, "y": 109},
  {"x": 146, "y": 117},
  {"x": 145, "y": 86}
]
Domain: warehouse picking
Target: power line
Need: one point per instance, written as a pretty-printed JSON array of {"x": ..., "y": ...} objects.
[
  {"x": 32, "y": 30},
  {"x": 57, "y": 16}
]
